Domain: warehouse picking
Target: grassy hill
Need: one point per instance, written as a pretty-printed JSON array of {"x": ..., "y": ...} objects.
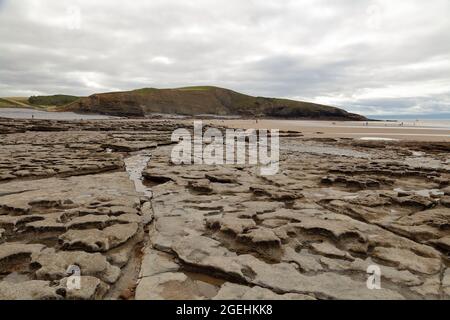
[
  {"x": 37, "y": 102},
  {"x": 14, "y": 102},
  {"x": 55, "y": 100},
  {"x": 202, "y": 100}
]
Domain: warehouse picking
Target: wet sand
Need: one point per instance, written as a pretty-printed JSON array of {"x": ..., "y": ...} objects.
[{"x": 381, "y": 130}]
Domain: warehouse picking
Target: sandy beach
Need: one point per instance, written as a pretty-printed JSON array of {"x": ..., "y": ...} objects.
[{"x": 410, "y": 130}]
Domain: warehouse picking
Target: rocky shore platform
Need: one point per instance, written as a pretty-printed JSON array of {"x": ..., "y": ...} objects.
[{"x": 104, "y": 196}]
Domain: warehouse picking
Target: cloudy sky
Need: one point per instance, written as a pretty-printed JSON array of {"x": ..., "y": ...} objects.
[{"x": 368, "y": 56}]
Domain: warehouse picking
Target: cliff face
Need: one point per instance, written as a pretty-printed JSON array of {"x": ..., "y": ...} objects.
[{"x": 203, "y": 100}]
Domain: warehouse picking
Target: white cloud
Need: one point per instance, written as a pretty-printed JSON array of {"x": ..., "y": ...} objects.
[
  {"x": 364, "y": 55},
  {"x": 162, "y": 60}
]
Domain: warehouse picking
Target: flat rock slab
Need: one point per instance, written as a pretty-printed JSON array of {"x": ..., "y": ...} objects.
[
  {"x": 336, "y": 209},
  {"x": 51, "y": 225}
]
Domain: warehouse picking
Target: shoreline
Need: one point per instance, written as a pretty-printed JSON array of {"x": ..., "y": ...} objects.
[
  {"x": 335, "y": 129},
  {"x": 427, "y": 130}
]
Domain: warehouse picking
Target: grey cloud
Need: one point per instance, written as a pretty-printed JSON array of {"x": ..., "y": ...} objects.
[{"x": 368, "y": 56}]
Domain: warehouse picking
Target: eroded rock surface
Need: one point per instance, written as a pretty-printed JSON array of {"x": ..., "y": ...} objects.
[
  {"x": 298, "y": 235},
  {"x": 312, "y": 231},
  {"x": 67, "y": 203}
]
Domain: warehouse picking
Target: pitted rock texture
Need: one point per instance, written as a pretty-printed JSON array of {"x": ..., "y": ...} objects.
[
  {"x": 311, "y": 231},
  {"x": 335, "y": 208},
  {"x": 66, "y": 201}
]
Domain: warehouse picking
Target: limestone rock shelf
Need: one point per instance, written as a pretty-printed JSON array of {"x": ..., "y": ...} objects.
[{"x": 311, "y": 231}]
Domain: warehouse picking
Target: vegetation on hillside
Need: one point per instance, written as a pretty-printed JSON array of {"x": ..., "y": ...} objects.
[
  {"x": 55, "y": 100},
  {"x": 14, "y": 102},
  {"x": 6, "y": 104}
]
